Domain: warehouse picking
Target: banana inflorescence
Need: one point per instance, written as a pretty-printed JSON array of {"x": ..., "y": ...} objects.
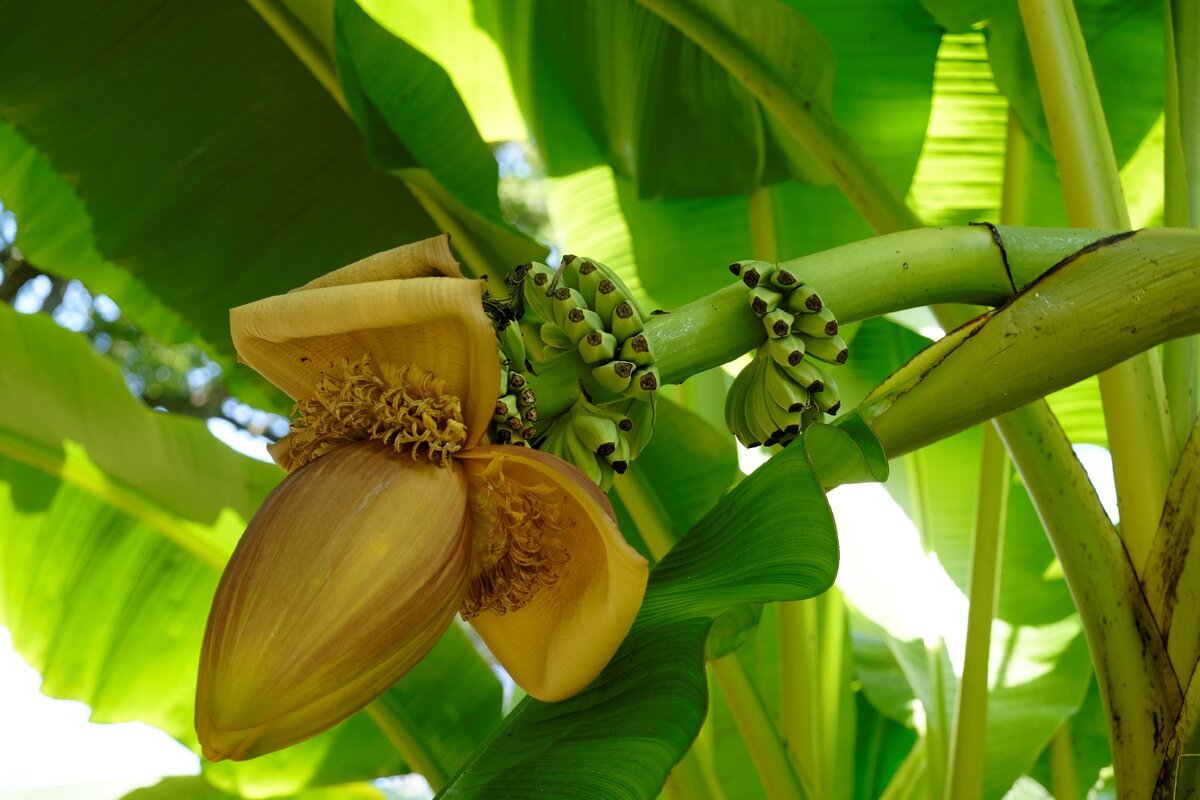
[
  {"x": 584, "y": 310},
  {"x": 781, "y": 391}
]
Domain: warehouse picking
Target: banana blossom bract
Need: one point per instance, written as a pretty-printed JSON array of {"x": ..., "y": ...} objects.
[{"x": 395, "y": 516}]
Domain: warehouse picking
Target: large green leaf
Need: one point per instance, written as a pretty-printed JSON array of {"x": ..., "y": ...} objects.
[
  {"x": 114, "y": 523},
  {"x": 961, "y": 172},
  {"x": 612, "y": 82},
  {"x": 445, "y": 31},
  {"x": 682, "y": 245},
  {"x": 210, "y": 164},
  {"x": 409, "y": 111},
  {"x": 771, "y": 538},
  {"x": 417, "y": 126},
  {"x": 1125, "y": 46}
]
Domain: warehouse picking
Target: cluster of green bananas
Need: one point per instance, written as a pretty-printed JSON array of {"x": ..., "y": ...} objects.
[
  {"x": 515, "y": 418},
  {"x": 600, "y": 440},
  {"x": 586, "y": 309},
  {"x": 781, "y": 391}
]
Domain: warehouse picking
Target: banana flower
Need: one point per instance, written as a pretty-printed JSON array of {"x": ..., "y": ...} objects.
[{"x": 396, "y": 515}]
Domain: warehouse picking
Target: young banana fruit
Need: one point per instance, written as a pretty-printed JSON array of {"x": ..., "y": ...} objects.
[{"x": 782, "y": 390}]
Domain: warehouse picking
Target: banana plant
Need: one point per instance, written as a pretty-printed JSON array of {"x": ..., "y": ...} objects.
[{"x": 798, "y": 188}]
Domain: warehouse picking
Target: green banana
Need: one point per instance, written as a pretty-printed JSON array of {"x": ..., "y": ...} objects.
[
  {"x": 597, "y": 346},
  {"x": 804, "y": 300},
  {"x": 625, "y": 321},
  {"x": 753, "y": 272},
  {"x": 580, "y": 322},
  {"x": 640, "y": 425},
  {"x": 612, "y": 276},
  {"x": 503, "y": 387},
  {"x": 787, "y": 351},
  {"x": 788, "y": 422},
  {"x": 505, "y": 407},
  {"x": 600, "y": 434},
  {"x": 503, "y": 436},
  {"x": 784, "y": 280},
  {"x": 526, "y": 398},
  {"x": 582, "y": 457},
  {"x": 759, "y": 412},
  {"x": 516, "y": 381},
  {"x": 618, "y": 459},
  {"x": 608, "y": 297},
  {"x": 784, "y": 391},
  {"x": 619, "y": 412},
  {"x": 764, "y": 300},
  {"x": 513, "y": 344},
  {"x": 779, "y": 415},
  {"x": 820, "y": 324},
  {"x": 808, "y": 375},
  {"x": 831, "y": 350},
  {"x": 535, "y": 288},
  {"x": 614, "y": 376},
  {"x": 778, "y": 323},
  {"x": 566, "y": 299},
  {"x": 644, "y": 383},
  {"x": 589, "y": 278},
  {"x": 637, "y": 349},
  {"x": 733, "y": 407},
  {"x": 568, "y": 271},
  {"x": 828, "y": 399},
  {"x": 750, "y": 432}
]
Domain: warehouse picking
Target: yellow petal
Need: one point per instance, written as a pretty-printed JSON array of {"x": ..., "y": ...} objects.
[
  {"x": 428, "y": 258},
  {"x": 345, "y": 578},
  {"x": 559, "y": 642},
  {"x": 436, "y": 323}
]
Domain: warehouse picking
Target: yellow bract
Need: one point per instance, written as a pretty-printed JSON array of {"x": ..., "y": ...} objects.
[{"x": 394, "y": 517}]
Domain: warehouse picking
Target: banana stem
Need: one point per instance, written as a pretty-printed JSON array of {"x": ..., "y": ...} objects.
[
  {"x": 303, "y": 44},
  {"x": 799, "y": 687},
  {"x": 969, "y": 739},
  {"x": 687, "y": 780},
  {"x": 908, "y": 776},
  {"x": 856, "y": 175},
  {"x": 778, "y": 777},
  {"x": 313, "y": 55},
  {"x": 648, "y": 513},
  {"x": 1181, "y": 190},
  {"x": 1184, "y": 16},
  {"x": 936, "y": 721},
  {"x": 866, "y": 279},
  {"x": 1139, "y": 434},
  {"x": 1137, "y": 684},
  {"x": 1082, "y": 147},
  {"x": 1062, "y": 764},
  {"x": 763, "y": 242},
  {"x": 411, "y": 749}
]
